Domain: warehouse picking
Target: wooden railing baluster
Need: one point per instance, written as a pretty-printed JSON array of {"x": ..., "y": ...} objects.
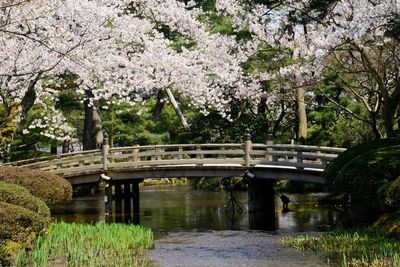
[{"x": 246, "y": 154}]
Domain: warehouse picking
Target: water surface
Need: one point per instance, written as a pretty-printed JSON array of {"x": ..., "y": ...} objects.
[{"x": 192, "y": 229}]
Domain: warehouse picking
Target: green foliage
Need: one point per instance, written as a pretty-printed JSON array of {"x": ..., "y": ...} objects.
[
  {"x": 365, "y": 171},
  {"x": 26, "y": 154},
  {"x": 71, "y": 105},
  {"x": 25, "y": 146},
  {"x": 90, "y": 245},
  {"x": 9, "y": 251},
  {"x": 18, "y": 227},
  {"x": 20, "y": 196},
  {"x": 393, "y": 194},
  {"x": 123, "y": 122},
  {"x": 351, "y": 247},
  {"x": 210, "y": 184},
  {"x": 266, "y": 59},
  {"x": 23, "y": 142},
  {"x": 48, "y": 187},
  {"x": 331, "y": 125},
  {"x": 297, "y": 187},
  {"x": 388, "y": 225}
]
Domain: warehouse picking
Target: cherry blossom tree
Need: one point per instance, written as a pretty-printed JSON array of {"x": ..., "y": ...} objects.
[
  {"x": 112, "y": 48},
  {"x": 358, "y": 34}
]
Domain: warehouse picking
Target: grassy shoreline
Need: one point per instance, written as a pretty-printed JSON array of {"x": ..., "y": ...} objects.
[
  {"x": 100, "y": 244},
  {"x": 347, "y": 247}
]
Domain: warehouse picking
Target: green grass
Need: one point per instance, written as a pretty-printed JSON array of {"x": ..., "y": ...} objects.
[
  {"x": 70, "y": 244},
  {"x": 351, "y": 247}
]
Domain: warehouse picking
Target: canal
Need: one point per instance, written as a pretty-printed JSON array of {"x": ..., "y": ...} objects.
[{"x": 192, "y": 229}]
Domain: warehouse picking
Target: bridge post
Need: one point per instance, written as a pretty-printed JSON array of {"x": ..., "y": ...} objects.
[
  {"x": 247, "y": 148},
  {"x": 118, "y": 202},
  {"x": 108, "y": 198},
  {"x": 6, "y": 154},
  {"x": 105, "y": 149},
  {"x": 135, "y": 198},
  {"x": 127, "y": 203},
  {"x": 299, "y": 158},
  {"x": 261, "y": 203},
  {"x": 270, "y": 142}
]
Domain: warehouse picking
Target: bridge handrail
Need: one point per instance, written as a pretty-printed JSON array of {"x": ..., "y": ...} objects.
[
  {"x": 300, "y": 147},
  {"x": 51, "y": 157},
  {"x": 117, "y": 149},
  {"x": 297, "y": 156}
]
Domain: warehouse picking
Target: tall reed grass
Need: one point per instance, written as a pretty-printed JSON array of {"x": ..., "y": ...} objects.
[
  {"x": 71, "y": 244},
  {"x": 351, "y": 247}
]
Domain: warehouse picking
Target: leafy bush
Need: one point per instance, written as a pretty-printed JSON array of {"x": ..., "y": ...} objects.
[
  {"x": 393, "y": 194},
  {"x": 20, "y": 196},
  {"x": 48, "y": 187},
  {"x": 334, "y": 167},
  {"x": 18, "y": 228},
  {"x": 388, "y": 225},
  {"x": 366, "y": 172}
]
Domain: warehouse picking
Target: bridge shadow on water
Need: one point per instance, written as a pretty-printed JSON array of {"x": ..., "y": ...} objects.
[{"x": 167, "y": 207}]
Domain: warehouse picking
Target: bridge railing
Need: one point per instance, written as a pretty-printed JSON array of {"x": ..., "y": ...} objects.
[
  {"x": 167, "y": 155},
  {"x": 89, "y": 159},
  {"x": 298, "y": 156},
  {"x": 158, "y": 156}
]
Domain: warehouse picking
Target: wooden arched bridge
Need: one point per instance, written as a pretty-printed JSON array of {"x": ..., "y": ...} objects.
[
  {"x": 123, "y": 168},
  {"x": 293, "y": 162}
]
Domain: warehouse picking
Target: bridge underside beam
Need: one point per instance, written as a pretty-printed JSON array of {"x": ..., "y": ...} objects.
[{"x": 274, "y": 173}]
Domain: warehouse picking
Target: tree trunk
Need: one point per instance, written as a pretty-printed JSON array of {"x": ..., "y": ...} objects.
[
  {"x": 302, "y": 115},
  {"x": 390, "y": 104},
  {"x": 280, "y": 118},
  {"x": 177, "y": 109},
  {"x": 66, "y": 147},
  {"x": 159, "y": 105},
  {"x": 9, "y": 126},
  {"x": 374, "y": 125},
  {"x": 15, "y": 112},
  {"x": 92, "y": 129},
  {"x": 388, "y": 111}
]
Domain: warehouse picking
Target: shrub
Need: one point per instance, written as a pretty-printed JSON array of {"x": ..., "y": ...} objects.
[
  {"x": 20, "y": 196},
  {"x": 366, "y": 172},
  {"x": 388, "y": 224},
  {"x": 393, "y": 194},
  {"x": 16, "y": 222},
  {"x": 49, "y": 187},
  {"x": 18, "y": 228}
]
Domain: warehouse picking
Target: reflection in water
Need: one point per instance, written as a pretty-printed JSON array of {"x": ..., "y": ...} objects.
[{"x": 182, "y": 208}]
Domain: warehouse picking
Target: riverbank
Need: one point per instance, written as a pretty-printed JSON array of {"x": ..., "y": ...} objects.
[
  {"x": 71, "y": 244},
  {"x": 351, "y": 247}
]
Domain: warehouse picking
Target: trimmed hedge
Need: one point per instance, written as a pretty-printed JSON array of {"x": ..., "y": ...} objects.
[
  {"x": 20, "y": 196},
  {"x": 388, "y": 224},
  {"x": 48, "y": 187},
  {"x": 393, "y": 194},
  {"x": 18, "y": 228},
  {"x": 333, "y": 169},
  {"x": 366, "y": 172},
  {"x": 16, "y": 222}
]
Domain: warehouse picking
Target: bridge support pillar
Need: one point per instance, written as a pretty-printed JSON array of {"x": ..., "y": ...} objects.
[
  {"x": 108, "y": 202},
  {"x": 136, "y": 203},
  {"x": 118, "y": 202},
  {"x": 127, "y": 203},
  {"x": 261, "y": 204},
  {"x": 125, "y": 194}
]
